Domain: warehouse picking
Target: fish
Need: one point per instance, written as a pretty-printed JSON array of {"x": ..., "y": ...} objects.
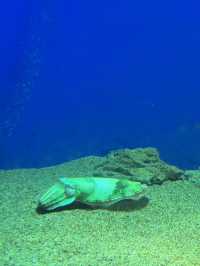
[{"x": 93, "y": 191}]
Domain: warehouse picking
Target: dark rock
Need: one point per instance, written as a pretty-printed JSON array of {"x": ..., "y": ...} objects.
[{"x": 142, "y": 164}]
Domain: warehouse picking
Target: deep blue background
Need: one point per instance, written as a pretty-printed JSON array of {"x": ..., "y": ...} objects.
[{"x": 85, "y": 77}]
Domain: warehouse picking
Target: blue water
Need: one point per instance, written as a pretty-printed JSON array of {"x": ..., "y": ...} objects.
[{"x": 85, "y": 77}]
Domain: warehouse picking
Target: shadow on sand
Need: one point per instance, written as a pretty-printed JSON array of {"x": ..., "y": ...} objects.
[{"x": 122, "y": 206}]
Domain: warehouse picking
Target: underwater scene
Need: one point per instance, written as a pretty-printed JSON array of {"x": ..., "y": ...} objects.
[{"x": 100, "y": 133}]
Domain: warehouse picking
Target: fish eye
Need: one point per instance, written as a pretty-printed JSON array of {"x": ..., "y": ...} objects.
[{"x": 69, "y": 190}]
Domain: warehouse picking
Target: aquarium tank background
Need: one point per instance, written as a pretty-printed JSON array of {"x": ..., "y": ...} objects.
[{"x": 84, "y": 77}]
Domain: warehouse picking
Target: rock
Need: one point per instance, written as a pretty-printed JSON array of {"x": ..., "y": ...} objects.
[
  {"x": 142, "y": 164},
  {"x": 193, "y": 176}
]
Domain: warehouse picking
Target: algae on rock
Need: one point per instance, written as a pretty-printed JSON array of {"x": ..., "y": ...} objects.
[{"x": 142, "y": 164}]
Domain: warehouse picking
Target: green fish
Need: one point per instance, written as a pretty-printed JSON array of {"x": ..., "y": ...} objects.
[{"x": 94, "y": 191}]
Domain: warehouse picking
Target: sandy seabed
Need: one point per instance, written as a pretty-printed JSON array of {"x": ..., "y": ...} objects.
[{"x": 163, "y": 230}]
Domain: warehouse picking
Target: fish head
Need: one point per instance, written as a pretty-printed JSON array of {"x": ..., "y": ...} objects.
[{"x": 59, "y": 195}]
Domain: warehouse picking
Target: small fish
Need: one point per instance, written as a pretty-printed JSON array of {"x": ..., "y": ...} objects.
[{"x": 94, "y": 191}]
